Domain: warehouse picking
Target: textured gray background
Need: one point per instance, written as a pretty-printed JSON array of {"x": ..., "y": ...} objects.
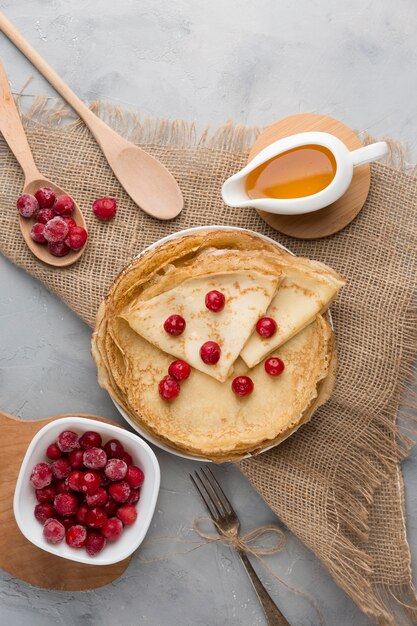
[{"x": 205, "y": 61}]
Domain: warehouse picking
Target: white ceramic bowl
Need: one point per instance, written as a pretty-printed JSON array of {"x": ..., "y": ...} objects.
[{"x": 25, "y": 501}]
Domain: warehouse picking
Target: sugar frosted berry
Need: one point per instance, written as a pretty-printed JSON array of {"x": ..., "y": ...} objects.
[
  {"x": 44, "y": 215},
  {"x": 95, "y": 543},
  {"x": 133, "y": 497},
  {"x": 104, "y": 208},
  {"x": 168, "y": 388},
  {"x": 37, "y": 233},
  {"x": 44, "y": 511},
  {"x": 90, "y": 439},
  {"x": 59, "y": 248},
  {"x": 61, "y": 486},
  {"x": 120, "y": 491},
  {"x": 112, "y": 529},
  {"x": 134, "y": 476},
  {"x": 46, "y": 494},
  {"x": 99, "y": 498},
  {"x": 242, "y": 386},
  {"x": 55, "y": 230},
  {"x": 210, "y": 352},
  {"x": 45, "y": 197},
  {"x": 76, "y": 536},
  {"x": 128, "y": 514},
  {"x": 114, "y": 449},
  {"x": 274, "y": 366},
  {"x": 66, "y": 504},
  {"x": 64, "y": 205},
  {"x": 53, "y": 531},
  {"x": 41, "y": 475},
  {"x": 61, "y": 468},
  {"x": 70, "y": 223},
  {"x": 95, "y": 458},
  {"x": 27, "y": 205},
  {"x": 76, "y": 238},
  {"x": 180, "y": 370},
  {"x": 115, "y": 469},
  {"x": 174, "y": 325},
  {"x": 67, "y": 441},
  {"x": 266, "y": 327},
  {"x": 215, "y": 301}
]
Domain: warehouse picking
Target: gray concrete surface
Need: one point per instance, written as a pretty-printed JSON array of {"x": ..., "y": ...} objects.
[{"x": 206, "y": 62}]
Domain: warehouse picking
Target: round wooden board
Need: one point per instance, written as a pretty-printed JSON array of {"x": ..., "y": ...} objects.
[
  {"x": 18, "y": 556},
  {"x": 336, "y": 216}
]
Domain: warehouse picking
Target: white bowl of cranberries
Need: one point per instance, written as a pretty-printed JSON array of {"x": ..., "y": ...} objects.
[{"x": 86, "y": 491}]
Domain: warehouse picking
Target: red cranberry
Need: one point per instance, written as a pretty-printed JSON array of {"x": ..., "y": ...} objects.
[
  {"x": 82, "y": 514},
  {"x": 53, "y": 531},
  {"x": 76, "y": 238},
  {"x": 61, "y": 486},
  {"x": 67, "y": 441},
  {"x": 127, "y": 458},
  {"x": 44, "y": 511},
  {"x": 168, "y": 388},
  {"x": 134, "y": 496},
  {"x": 41, "y": 475},
  {"x": 210, "y": 352},
  {"x": 53, "y": 452},
  {"x": 99, "y": 498},
  {"x": 76, "y": 536},
  {"x": 95, "y": 458},
  {"x": 66, "y": 504},
  {"x": 46, "y": 197},
  {"x": 104, "y": 208},
  {"x": 112, "y": 529},
  {"x": 114, "y": 449},
  {"x": 36, "y": 234},
  {"x": 242, "y": 386},
  {"x": 70, "y": 223},
  {"x": 76, "y": 459},
  {"x": 45, "y": 215},
  {"x": 55, "y": 230},
  {"x": 266, "y": 327},
  {"x": 110, "y": 507},
  {"x": 128, "y": 514},
  {"x": 90, "y": 439},
  {"x": 274, "y": 366},
  {"x": 89, "y": 482},
  {"x": 119, "y": 491},
  {"x": 59, "y": 248},
  {"x": 104, "y": 480},
  {"x": 115, "y": 469},
  {"x": 180, "y": 370},
  {"x": 27, "y": 205},
  {"x": 95, "y": 543},
  {"x": 74, "y": 480},
  {"x": 95, "y": 518},
  {"x": 68, "y": 522},
  {"x": 215, "y": 301},
  {"x": 46, "y": 494},
  {"x": 174, "y": 325},
  {"x": 61, "y": 468},
  {"x": 64, "y": 205},
  {"x": 135, "y": 476}
]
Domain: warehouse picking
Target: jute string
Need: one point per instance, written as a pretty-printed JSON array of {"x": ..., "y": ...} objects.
[{"x": 336, "y": 483}]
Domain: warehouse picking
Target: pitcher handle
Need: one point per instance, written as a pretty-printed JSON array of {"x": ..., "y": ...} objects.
[{"x": 373, "y": 152}]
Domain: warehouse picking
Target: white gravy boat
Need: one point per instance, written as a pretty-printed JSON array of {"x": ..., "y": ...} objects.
[{"x": 235, "y": 195}]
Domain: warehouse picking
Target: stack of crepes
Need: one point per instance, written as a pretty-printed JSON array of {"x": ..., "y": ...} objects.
[{"x": 258, "y": 279}]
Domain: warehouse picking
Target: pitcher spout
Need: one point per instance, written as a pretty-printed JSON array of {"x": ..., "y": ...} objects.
[{"x": 233, "y": 191}]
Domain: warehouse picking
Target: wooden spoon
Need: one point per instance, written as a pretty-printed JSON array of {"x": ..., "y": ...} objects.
[
  {"x": 145, "y": 179},
  {"x": 12, "y": 130}
]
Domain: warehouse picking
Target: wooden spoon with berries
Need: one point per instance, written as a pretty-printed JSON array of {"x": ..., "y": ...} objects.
[{"x": 52, "y": 225}]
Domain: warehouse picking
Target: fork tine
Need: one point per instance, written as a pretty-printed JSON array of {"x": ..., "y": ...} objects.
[
  {"x": 219, "y": 502},
  {"x": 225, "y": 498},
  {"x": 214, "y": 514}
]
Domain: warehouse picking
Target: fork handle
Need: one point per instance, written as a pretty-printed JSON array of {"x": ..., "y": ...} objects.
[{"x": 273, "y": 615}]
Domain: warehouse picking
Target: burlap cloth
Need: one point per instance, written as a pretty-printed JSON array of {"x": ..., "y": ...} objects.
[{"x": 336, "y": 483}]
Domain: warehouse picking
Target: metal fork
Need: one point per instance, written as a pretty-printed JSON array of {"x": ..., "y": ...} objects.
[{"x": 222, "y": 512}]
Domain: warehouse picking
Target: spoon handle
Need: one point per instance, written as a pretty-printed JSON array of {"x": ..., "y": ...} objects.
[{"x": 12, "y": 129}]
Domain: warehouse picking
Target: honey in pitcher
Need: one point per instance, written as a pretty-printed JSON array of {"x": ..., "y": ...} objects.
[{"x": 297, "y": 173}]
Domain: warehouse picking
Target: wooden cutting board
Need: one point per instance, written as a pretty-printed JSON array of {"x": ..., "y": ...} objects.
[{"x": 18, "y": 556}]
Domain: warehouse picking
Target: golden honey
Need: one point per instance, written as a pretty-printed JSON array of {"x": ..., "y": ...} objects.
[{"x": 297, "y": 173}]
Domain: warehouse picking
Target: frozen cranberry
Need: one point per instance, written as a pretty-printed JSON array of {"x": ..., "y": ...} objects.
[
  {"x": 242, "y": 386},
  {"x": 127, "y": 458},
  {"x": 76, "y": 238},
  {"x": 70, "y": 223},
  {"x": 61, "y": 486},
  {"x": 59, "y": 248},
  {"x": 95, "y": 543},
  {"x": 180, "y": 370},
  {"x": 66, "y": 504},
  {"x": 46, "y": 494},
  {"x": 53, "y": 452},
  {"x": 135, "y": 476},
  {"x": 112, "y": 529},
  {"x": 41, "y": 475},
  {"x": 128, "y": 514},
  {"x": 36, "y": 234},
  {"x": 74, "y": 480},
  {"x": 44, "y": 511},
  {"x": 274, "y": 366},
  {"x": 114, "y": 449},
  {"x": 95, "y": 518},
  {"x": 104, "y": 208},
  {"x": 120, "y": 491},
  {"x": 53, "y": 531},
  {"x": 215, "y": 301},
  {"x": 45, "y": 215},
  {"x": 95, "y": 458},
  {"x": 99, "y": 498},
  {"x": 133, "y": 497},
  {"x": 76, "y": 459},
  {"x": 55, "y": 230},
  {"x": 104, "y": 480},
  {"x": 68, "y": 522},
  {"x": 266, "y": 327},
  {"x": 115, "y": 469},
  {"x": 110, "y": 507},
  {"x": 46, "y": 197},
  {"x": 168, "y": 388},
  {"x": 64, "y": 205},
  {"x": 90, "y": 439},
  {"x": 76, "y": 536},
  {"x": 27, "y": 205},
  {"x": 61, "y": 468},
  {"x": 174, "y": 325},
  {"x": 89, "y": 482},
  {"x": 67, "y": 441},
  {"x": 82, "y": 514},
  {"x": 210, "y": 352}
]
